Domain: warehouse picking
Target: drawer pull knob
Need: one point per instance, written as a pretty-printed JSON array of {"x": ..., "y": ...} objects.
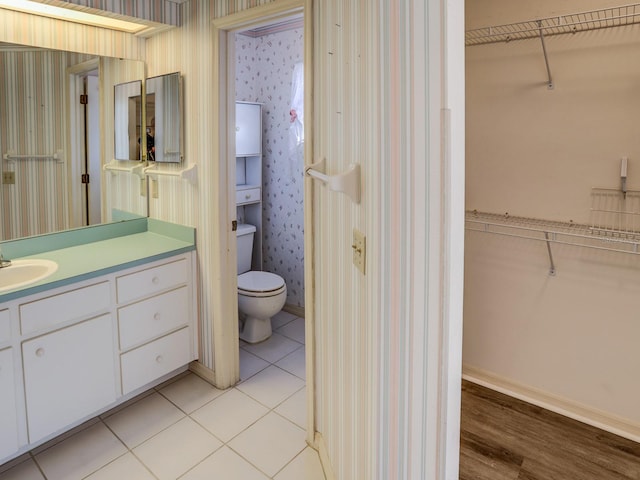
[
  {"x": 40, "y": 352},
  {"x": 155, "y": 280},
  {"x": 247, "y": 197},
  {"x": 159, "y": 359},
  {"x": 156, "y": 316}
]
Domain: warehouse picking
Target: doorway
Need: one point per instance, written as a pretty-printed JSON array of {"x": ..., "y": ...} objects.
[
  {"x": 257, "y": 20},
  {"x": 85, "y": 205}
]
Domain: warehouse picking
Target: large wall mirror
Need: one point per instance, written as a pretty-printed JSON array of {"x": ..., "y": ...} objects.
[
  {"x": 164, "y": 118},
  {"x": 43, "y": 141}
]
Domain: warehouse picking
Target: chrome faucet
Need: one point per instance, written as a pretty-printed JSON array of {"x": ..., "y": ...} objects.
[{"x": 3, "y": 262}]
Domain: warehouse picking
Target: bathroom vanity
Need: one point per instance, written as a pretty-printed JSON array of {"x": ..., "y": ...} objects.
[{"x": 117, "y": 317}]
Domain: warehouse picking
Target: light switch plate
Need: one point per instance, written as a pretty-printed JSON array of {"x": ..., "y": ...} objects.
[
  {"x": 154, "y": 188},
  {"x": 359, "y": 247}
]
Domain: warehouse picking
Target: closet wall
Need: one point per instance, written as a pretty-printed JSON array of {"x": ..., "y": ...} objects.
[{"x": 568, "y": 341}]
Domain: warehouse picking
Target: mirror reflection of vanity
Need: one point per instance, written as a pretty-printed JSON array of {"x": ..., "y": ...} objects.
[{"x": 42, "y": 152}]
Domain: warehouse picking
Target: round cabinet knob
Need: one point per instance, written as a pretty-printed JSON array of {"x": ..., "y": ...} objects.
[
  {"x": 247, "y": 197},
  {"x": 155, "y": 280},
  {"x": 40, "y": 352},
  {"x": 159, "y": 359},
  {"x": 156, "y": 316},
  {"x": 237, "y": 129}
]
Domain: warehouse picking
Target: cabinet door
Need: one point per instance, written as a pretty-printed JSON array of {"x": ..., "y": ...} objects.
[
  {"x": 68, "y": 374},
  {"x": 248, "y": 129},
  {"x": 8, "y": 415}
]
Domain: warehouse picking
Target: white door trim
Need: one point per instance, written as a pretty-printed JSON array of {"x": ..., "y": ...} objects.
[
  {"x": 75, "y": 138},
  {"x": 226, "y": 355}
]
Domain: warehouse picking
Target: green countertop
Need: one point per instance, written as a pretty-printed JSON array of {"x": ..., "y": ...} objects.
[{"x": 83, "y": 261}]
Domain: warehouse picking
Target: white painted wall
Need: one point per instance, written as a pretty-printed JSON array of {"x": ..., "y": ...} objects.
[{"x": 569, "y": 340}]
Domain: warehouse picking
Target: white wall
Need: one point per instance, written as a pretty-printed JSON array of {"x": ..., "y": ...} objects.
[{"x": 535, "y": 152}]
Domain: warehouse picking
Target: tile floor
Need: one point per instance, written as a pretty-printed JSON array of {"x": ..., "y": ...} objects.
[{"x": 186, "y": 429}]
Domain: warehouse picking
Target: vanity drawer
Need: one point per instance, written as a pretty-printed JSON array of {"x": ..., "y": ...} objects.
[
  {"x": 5, "y": 326},
  {"x": 72, "y": 305},
  {"x": 247, "y": 195},
  {"x": 155, "y": 316},
  {"x": 153, "y": 360},
  {"x": 152, "y": 280}
]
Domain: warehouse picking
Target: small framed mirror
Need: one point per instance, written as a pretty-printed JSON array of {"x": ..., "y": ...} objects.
[
  {"x": 128, "y": 121},
  {"x": 164, "y": 118}
]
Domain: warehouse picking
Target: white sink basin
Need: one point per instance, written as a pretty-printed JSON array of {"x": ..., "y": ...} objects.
[{"x": 24, "y": 272}]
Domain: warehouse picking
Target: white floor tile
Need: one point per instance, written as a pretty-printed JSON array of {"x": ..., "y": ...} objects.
[
  {"x": 141, "y": 420},
  {"x": 295, "y": 408},
  {"x": 82, "y": 454},
  {"x": 274, "y": 348},
  {"x": 27, "y": 470},
  {"x": 229, "y": 414},
  {"x": 294, "y": 330},
  {"x": 225, "y": 464},
  {"x": 250, "y": 364},
  {"x": 270, "y": 443},
  {"x": 126, "y": 467},
  {"x": 294, "y": 363},
  {"x": 190, "y": 393},
  {"x": 175, "y": 450},
  {"x": 271, "y": 386},
  {"x": 306, "y": 465},
  {"x": 281, "y": 318}
]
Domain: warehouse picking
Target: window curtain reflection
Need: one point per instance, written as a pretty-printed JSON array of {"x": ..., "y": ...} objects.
[{"x": 296, "y": 127}]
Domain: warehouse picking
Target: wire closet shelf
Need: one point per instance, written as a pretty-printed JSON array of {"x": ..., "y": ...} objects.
[
  {"x": 598, "y": 237},
  {"x": 572, "y": 23}
]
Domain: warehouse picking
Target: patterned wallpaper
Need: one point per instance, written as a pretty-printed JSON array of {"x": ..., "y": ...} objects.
[
  {"x": 33, "y": 118},
  {"x": 264, "y": 68}
]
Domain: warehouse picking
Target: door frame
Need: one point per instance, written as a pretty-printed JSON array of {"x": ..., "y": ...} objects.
[
  {"x": 223, "y": 96},
  {"x": 76, "y": 137}
]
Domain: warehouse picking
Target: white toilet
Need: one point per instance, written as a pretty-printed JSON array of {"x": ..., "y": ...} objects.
[{"x": 260, "y": 294}]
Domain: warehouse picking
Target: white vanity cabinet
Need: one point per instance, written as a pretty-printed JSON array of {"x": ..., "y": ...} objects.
[
  {"x": 154, "y": 332},
  {"x": 249, "y": 172},
  {"x": 68, "y": 374},
  {"x": 70, "y": 353},
  {"x": 8, "y": 412}
]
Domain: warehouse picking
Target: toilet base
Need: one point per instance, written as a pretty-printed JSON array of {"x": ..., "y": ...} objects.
[{"x": 255, "y": 330}]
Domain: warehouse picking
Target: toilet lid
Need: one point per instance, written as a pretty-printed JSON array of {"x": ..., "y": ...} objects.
[{"x": 263, "y": 282}]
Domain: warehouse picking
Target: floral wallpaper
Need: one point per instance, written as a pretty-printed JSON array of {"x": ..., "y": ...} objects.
[{"x": 264, "y": 69}]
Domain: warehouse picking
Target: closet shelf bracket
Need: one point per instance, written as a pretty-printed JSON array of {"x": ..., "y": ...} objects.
[{"x": 546, "y": 57}]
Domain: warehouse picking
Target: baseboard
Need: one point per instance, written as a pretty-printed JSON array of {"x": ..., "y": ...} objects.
[
  {"x": 563, "y": 406},
  {"x": 203, "y": 372},
  {"x": 324, "y": 457},
  {"x": 294, "y": 309}
]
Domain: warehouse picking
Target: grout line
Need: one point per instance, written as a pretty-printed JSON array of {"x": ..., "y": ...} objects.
[{"x": 157, "y": 389}]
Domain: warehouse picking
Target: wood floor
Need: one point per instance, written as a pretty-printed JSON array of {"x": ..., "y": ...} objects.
[{"x": 506, "y": 439}]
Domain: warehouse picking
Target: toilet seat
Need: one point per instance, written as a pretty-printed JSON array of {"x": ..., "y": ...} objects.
[{"x": 260, "y": 284}]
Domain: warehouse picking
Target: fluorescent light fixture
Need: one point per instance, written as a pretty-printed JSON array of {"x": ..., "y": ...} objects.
[{"x": 70, "y": 15}]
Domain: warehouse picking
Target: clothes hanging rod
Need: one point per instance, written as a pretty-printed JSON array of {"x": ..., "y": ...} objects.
[
  {"x": 553, "y": 232},
  {"x": 561, "y": 24}
]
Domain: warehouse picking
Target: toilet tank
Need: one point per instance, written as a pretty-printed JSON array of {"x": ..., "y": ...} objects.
[{"x": 245, "y": 246}]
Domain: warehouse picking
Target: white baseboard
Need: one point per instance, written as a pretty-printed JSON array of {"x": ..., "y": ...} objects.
[
  {"x": 324, "y": 457},
  {"x": 294, "y": 309},
  {"x": 563, "y": 406},
  {"x": 203, "y": 372}
]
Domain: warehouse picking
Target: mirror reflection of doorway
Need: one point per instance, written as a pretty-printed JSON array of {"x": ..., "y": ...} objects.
[{"x": 91, "y": 192}]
